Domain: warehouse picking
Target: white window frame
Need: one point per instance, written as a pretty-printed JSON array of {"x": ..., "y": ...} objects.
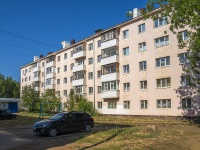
[
  {"x": 160, "y": 22},
  {"x": 126, "y": 51},
  {"x": 142, "y": 47},
  {"x": 163, "y": 62},
  {"x": 126, "y": 104},
  {"x": 65, "y": 80},
  {"x": 143, "y": 104},
  {"x": 90, "y": 61},
  {"x": 163, "y": 83},
  {"x": 141, "y": 28},
  {"x": 90, "y": 90},
  {"x": 183, "y": 58},
  {"x": 143, "y": 85},
  {"x": 126, "y": 69},
  {"x": 58, "y": 81},
  {"x": 65, "y": 56},
  {"x": 186, "y": 101},
  {"x": 184, "y": 35},
  {"x": 143, "y": 65},
  {"x": 125, "y": 34},
  {"x": 90, "y": 46},
  {"x": 65, "y": 92},
  {"x": 90, "y": 75},
  {"x": 99, "y": 89},
  {"x": 112, "y": 105},
  {"x": 99, "y": 105},
  {"x": 99, "y": 43},
  {"x": 161, "y": 41},
  {"x": 163, "y": 103},
  {"x": 185, "y": 80},
  {"x": 65, "y": 68},
  {"x": 126, "y": 86}
]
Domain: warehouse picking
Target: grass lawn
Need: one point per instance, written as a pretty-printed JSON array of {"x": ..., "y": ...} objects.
[{"x": 121, "y": 133}]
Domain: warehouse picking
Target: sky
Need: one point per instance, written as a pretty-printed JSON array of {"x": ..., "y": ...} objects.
[{"x": 29, "y": 28}]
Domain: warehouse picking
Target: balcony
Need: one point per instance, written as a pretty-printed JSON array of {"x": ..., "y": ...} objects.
[
  {"x": 37, "y": 88},
  {"x": 79, "y": 55},
  {"x": 79, "y": 68},
  {"x": 110, "y": 94},
  {"x": 37, "y": 68},
  {"x": 50, "y": 86},
  {"x": 109, "y": 77},
  {"x": 109, "y": 60},
  {"x": 36, "y": 79},
  {"x": 50, "y": 75},
  {"x": 109, "y": 43},
  {"x": 50, "y": 64},
  {"x": 78, "y": 82}
]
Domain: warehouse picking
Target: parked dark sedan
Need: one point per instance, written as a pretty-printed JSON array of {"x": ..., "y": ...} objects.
[
  {"x": 64, "y": 122},
  {"x": 6, "y": 114}
]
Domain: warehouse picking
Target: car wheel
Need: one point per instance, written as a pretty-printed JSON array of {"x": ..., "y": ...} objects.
[
  {"x": 88, "y": 128},
  {"x": 52, "y": 132}
]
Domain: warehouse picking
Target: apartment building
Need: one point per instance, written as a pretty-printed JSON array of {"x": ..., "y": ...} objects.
[{"x": 133, "y": 68}]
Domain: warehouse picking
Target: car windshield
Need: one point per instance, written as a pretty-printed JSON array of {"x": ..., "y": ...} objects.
[{"x": 56, "y": 117}]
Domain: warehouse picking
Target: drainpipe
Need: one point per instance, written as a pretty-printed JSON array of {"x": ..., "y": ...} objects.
[{"x": 94, "y": 73}]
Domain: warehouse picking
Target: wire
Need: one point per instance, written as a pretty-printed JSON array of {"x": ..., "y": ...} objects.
[
  {"x": 15, "y": 52},
  {"x": 26, "y": 38},
  {"x": 44, "y": 24},
  {"x": 19, "y": 46}
]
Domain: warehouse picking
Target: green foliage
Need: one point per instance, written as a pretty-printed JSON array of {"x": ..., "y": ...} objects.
[
  {"x": 181, "y": 14},
  {"x": 30, "y": 98},
  {"x": 9, "y": 88},
  {"x": 77, "y": 102},
  {"x": 50, "y": 102}
]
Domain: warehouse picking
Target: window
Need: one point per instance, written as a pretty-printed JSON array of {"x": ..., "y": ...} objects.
[
  {"x": 108, "y": 36},
  {"x": 160, "y": 22},
  {"x": 90, "y": 75},
  {"x": 108, "y": 52},
  {"x": 112, "y": 105},
  {"x": 58, "y": 93},
  {"x": 65, "y": 92},
  {"x": 49, "y": 81},
  {"x": 29, "y": 78},
  {"x": 143, "y": 65},
  {"x": 71, "y": 53},
  {"x": 99, "y": 74},
  {"x": 72, "y": 66},
  {"x": 58, "y": 81},
  {"x": 65, "y": 56},
  {"x": 126, "y": 104},
  {"x": 26, "y": 79},
  {"x": 98, "y": 89},
  {"x": 43, "y": 74},
  {"x": 78, "y": 89},
  {"x": 183, "y": 35},
  {"x": 143, "y": 85},
  {"x": 186, "y": 103},
  {"x": 141, "y": 28},
  {"x": 42, "y": 64},
  {"x": 125, "y": 34},
  {"x": 164, "y": 103},
  {"x": 126, "y": 86},
  {"x": 110, "y": 85},
  {"x": 143, "y": 104},
  {"x": 99, "y": 105},
  {"x": 142, "y": 46},
  {"x": 79, "y": 75},
  {"x": 65, "y": 68},
  {"x": 126, "y": 51},
  {"x": 58, "y": 70},
  {"x": 90, "y": 60},
  {"x": 162, "y": 62},
  {"x": 185, "y": 80},
  {"x": 164, "y": 82},
  {"x": 126, "y": 69},
  {"x": 42, "y": 84},
  {"x": 99, "y": 58},
  {"x": 99, "y": 43},
  {"x": 110, "y": 68},
  {"x": 90, "y": 46},
  {"x": 183, "y": 58},
  {"x": 71, "y": 79},
  {"x": 65, "y": 80},
  {"x": 90, "y": 90},
  {"x": 36, "y": 74},
  {"x": 162, "y": 41},
  {"x": 58, "y": 58}
]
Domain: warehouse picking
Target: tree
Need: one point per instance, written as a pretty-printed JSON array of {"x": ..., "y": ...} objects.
[
  {"x": 30, "y": 98},
  {"x": 9, "y": 88},
  {"x": 181, "y": 14},
  {"x": 77, "y": 102},
  {"x": 50, "y": 102}
]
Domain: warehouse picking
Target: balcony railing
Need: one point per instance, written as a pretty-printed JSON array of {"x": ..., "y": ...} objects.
[
  {"x": 110, "y": 94},
  {"x": 109, "y": 43},
  {"x": 78, "y": 82},
  {"x": 110, "y": 77},
  {"x": 36, "y": 79},
  {"x": 109, "y": 60},
  {"x": 79, "y": 54},
  {"x": 50, "y": 86},
  {"x": 79, "y": 68}
]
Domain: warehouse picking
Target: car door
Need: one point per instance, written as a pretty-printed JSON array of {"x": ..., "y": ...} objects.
[
  {"x": 80, "y": 120},
  {"x": 67, "y": 122}
]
